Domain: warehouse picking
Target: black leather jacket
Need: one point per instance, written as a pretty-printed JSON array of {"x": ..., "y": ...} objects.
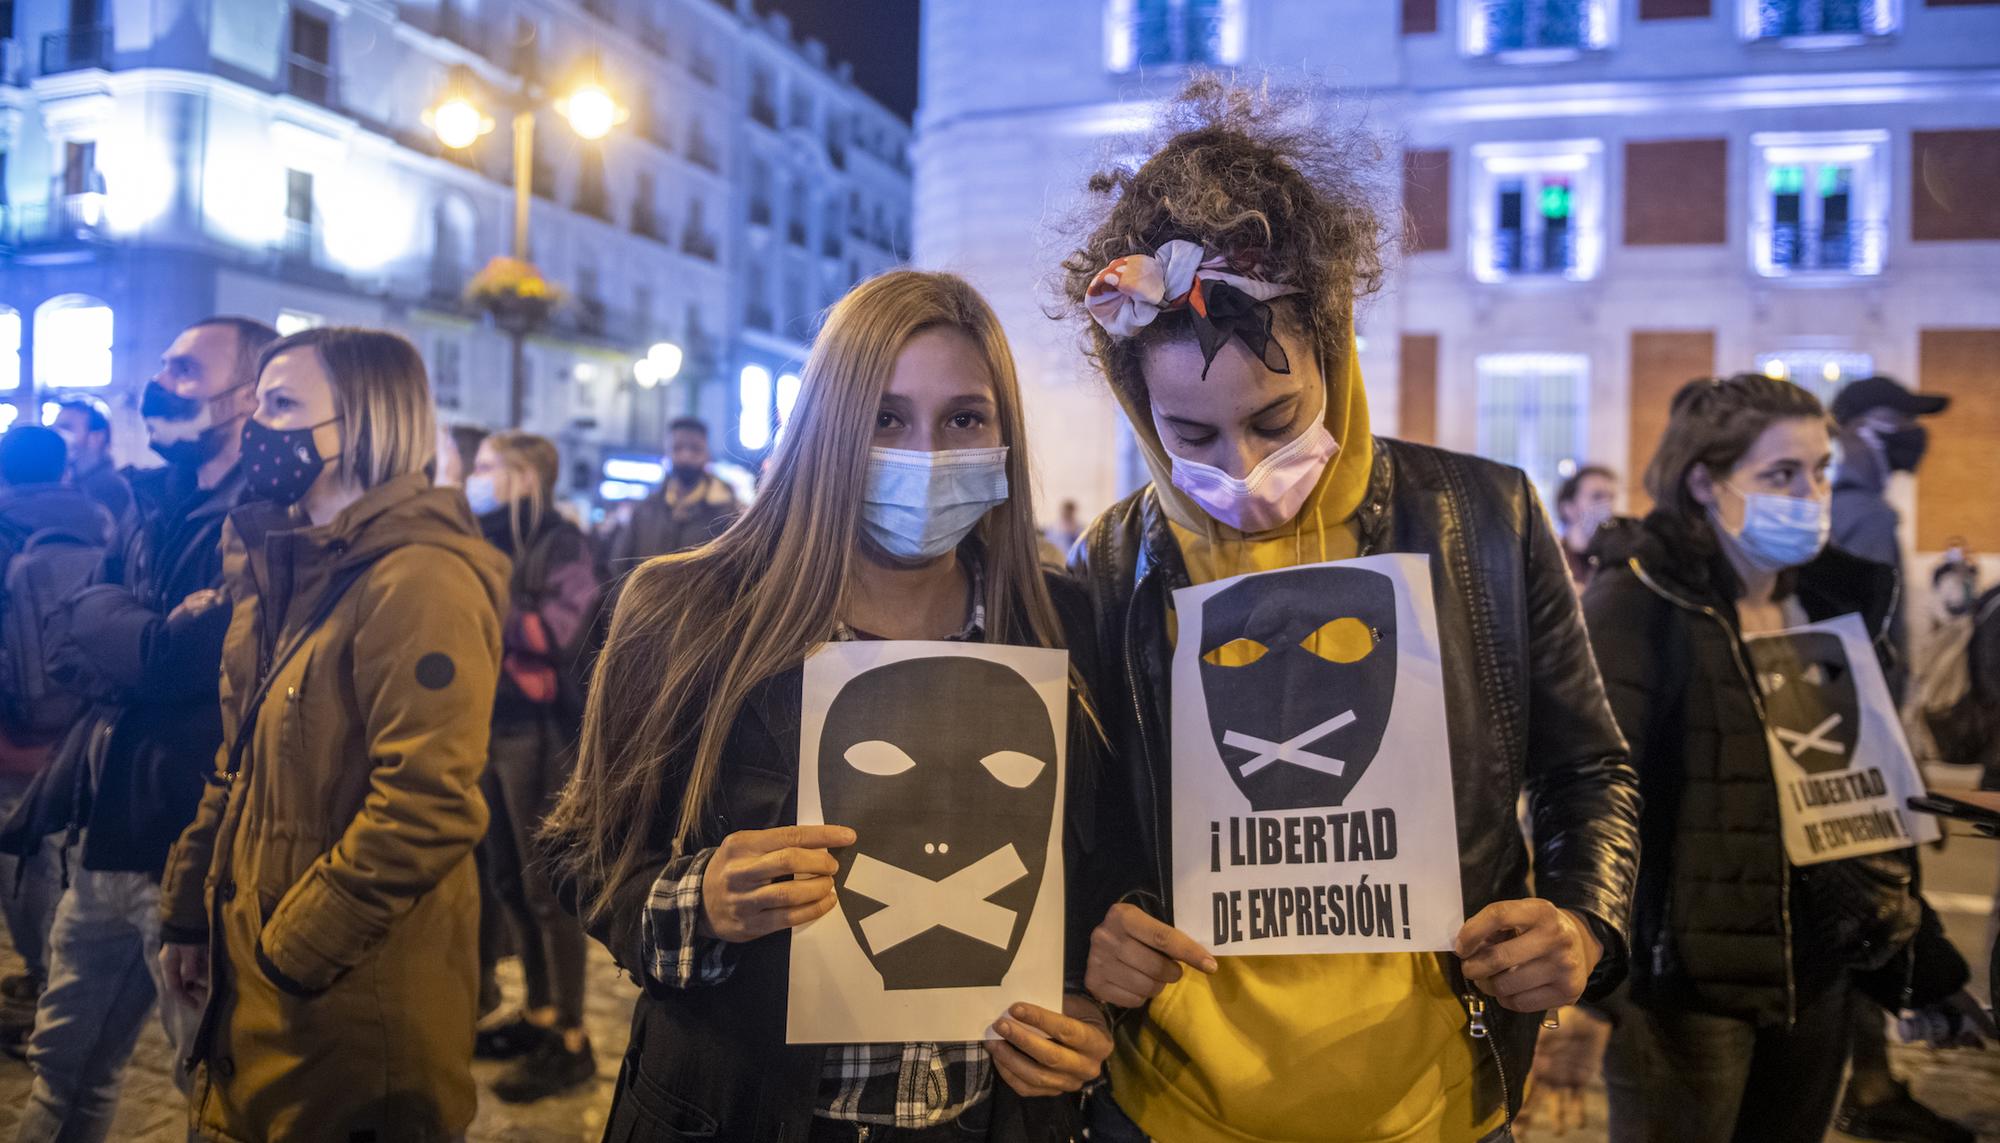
[{"x": 1525, "y": 707}]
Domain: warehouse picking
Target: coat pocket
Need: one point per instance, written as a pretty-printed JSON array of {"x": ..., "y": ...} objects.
[{"x": 643, "y": 1110}]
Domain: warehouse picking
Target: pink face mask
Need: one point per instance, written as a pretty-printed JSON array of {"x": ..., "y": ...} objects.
[{"x": 1272, "y": 493}]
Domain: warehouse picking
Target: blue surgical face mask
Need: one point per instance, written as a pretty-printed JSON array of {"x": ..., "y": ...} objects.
[
  {"x": 920, "y": 505},
  {"x": 1779, "y": 532},
  {"x": 479, "y": 493}
]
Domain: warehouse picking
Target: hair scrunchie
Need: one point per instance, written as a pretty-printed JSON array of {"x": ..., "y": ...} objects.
[{"x": 1127, "y": 295}]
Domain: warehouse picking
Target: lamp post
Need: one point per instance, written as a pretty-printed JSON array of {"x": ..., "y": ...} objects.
[{"x": 459, "y": 122}]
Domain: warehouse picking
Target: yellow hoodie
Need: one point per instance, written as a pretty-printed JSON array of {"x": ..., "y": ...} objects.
[{"x": 1357, "y": 1048}]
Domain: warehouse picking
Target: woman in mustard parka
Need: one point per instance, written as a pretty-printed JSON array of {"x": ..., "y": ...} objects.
[{"x": 323, "y": 905}]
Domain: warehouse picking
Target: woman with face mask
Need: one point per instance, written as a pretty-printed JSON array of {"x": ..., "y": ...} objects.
[
  {"x": 1736, "y": 1025},
  {"x": 1220, "y": 283},
  {"x": 536, "y": 718},
  {"x": 897, "y": 507},
  {"x": 323, "y": 906}
]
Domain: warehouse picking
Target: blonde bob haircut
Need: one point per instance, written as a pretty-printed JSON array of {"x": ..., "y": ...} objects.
[
  {"x": 381, "y": 399},
  {"x": 695, "y": 634}
]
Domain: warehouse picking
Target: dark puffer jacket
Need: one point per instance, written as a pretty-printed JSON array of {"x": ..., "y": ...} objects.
[
  {"x": 1525, "y": 710},
  {"x": 1717, "y": 920}
]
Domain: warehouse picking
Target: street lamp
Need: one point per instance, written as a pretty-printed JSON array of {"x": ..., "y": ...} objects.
[
  {"x": 661, "y": 364},
  {"x": 459, "y": 123},
  {"x": 589, "y": 108}
]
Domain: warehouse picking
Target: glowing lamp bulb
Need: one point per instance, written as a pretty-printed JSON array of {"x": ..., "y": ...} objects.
[
  {"x": 666, "y": 359},
  {"x": 591, "y": 111},
  {"x": 458, "y": 123}
]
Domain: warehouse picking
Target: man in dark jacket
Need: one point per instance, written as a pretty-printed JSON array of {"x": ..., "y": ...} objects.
[
  {"x": 31, "y": 499},
  {"x": 1879, "y": 437},
  {"x": 86, "y": 429},
  {"x": 692, "y": 507},
  {"x": 146, "y": 644}
]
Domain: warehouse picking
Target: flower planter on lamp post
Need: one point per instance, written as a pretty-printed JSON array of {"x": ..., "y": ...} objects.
[{"x": 519, "y": 300}]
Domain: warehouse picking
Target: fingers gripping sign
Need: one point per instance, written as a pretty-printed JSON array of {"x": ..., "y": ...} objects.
[
  {"x": 1049, "y": 1053},
  {"x": 1529, "y": 955},
  {"x": 762, "y": 880},
  {"x": 1133, "y": 956}
]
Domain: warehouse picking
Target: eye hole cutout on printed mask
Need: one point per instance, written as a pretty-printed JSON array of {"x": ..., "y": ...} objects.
[
  {"x": 1343, "y": 640},
  {"x": 1238, "y": 652},
  {"x": 1013, "y": 768},
  {"x": 879, "y": 759}
]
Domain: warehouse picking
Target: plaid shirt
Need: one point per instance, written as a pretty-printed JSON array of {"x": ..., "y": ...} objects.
[{"x": 888, "y": 1085}]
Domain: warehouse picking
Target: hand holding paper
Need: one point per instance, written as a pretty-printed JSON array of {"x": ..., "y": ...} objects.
[
  {"x": 1133, "y": 956},
  {"x": 1050, "y": 1053},
  {"x": 1528, "y": 954},
  {"x": 763, "y": 880}
]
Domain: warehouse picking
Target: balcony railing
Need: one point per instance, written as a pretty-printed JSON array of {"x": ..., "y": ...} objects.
[
  {"x": 700, "y": 244},
  {"x": 646, "y": 223},
  {"x": 1192, "y": 36},
  {"x": 1835, "y": 248},
  {"x": 1514, "y": 253},
  {"x": 1535, "y": 25},
  {"x": 296, "y": 243},
  {"x": 1783, "y": 19},
  {"x": 309, "y": 79},
  {"x": 75, "y": 49},
  {"x": 61, "y": 220}
]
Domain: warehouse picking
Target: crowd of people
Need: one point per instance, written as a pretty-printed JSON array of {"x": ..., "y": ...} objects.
[{"x": 313, "y": 724}]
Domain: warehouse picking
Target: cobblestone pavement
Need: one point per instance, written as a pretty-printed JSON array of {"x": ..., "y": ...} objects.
[{"x": 1965, "y": 1085}]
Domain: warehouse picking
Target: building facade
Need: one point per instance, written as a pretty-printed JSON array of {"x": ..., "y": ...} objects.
[
  {"x": 168, "y": 159},
  {"x": 1605, "y": 198}
]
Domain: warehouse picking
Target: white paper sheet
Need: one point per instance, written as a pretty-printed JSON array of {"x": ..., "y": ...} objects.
[
  {"x": 948, "y": 760},
  {"x": 1843, "y": 769},
  {"x": 1312, "y": 790}
]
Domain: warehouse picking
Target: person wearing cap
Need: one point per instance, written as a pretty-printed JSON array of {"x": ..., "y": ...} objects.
[{"x": 1880, "y": 436}]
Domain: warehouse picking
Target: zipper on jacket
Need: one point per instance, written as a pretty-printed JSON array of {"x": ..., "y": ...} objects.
[
  {"x": 1476, "y": 1027},
  {"x": 1756, "y": 700},
  {"x": 1145, "y": 741}
]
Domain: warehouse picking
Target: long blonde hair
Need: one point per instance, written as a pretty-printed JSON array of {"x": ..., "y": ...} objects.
[
  {"x": 533, "y": 457},
  {"x": 695, "y": 633}
]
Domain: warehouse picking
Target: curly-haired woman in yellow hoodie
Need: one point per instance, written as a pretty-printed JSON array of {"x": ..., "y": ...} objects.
[{"x": 1220, "y": 280}]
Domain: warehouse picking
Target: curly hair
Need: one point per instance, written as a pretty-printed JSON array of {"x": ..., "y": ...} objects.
[{"x": 1266, "y": 180}]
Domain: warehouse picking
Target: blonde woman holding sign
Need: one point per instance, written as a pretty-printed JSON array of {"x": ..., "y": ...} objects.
[
  {"x": 1220, "y": 281},
  {"x": 897, "y": 507}
]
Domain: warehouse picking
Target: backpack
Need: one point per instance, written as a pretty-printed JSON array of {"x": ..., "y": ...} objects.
[
  {"x": 1948, "y": 718},
  {"x": 49, "y": 567}
]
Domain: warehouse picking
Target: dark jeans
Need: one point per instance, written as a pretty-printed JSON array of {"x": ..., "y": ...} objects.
[
  {"x": 967, "y": 1128},
  {"x": 1692, "y": 1077},
  {"x": 526, "y": 767}
]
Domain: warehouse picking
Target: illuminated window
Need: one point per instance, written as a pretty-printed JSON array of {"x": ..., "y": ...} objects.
[
  {"x": 1530, "y": 30},
  {"x": 1824, "y": 371},
  {"x": 1819, "y": 203},
  {"x": 1167, "y": 33},
  {"x": 1840, "y": 20},
  {"x": 753, "y": 407},
  {"x": 1538, "y": 210},
  {"x": 10, "y": 349},
  {"x": 1533, "y": 412},
  {"x": 73, "y": 343}
]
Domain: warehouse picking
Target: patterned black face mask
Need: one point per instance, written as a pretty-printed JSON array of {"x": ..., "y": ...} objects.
[{"x": 279, "y": 465}]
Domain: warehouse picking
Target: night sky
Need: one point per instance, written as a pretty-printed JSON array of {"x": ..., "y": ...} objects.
[{"x": 879, "y": 37}]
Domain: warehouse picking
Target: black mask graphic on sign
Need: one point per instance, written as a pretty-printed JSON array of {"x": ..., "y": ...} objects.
[
  {"x": 1298, "y": 669},
  {"x": 1810, "y": 698},
  {"x": 945, "y": 768}
]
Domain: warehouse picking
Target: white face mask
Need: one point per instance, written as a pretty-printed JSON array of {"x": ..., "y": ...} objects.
[
  {"x": 1272, "y": 493},
  {"x": 920, "y": 505},
  {"x": 1779, "y": 532}
]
